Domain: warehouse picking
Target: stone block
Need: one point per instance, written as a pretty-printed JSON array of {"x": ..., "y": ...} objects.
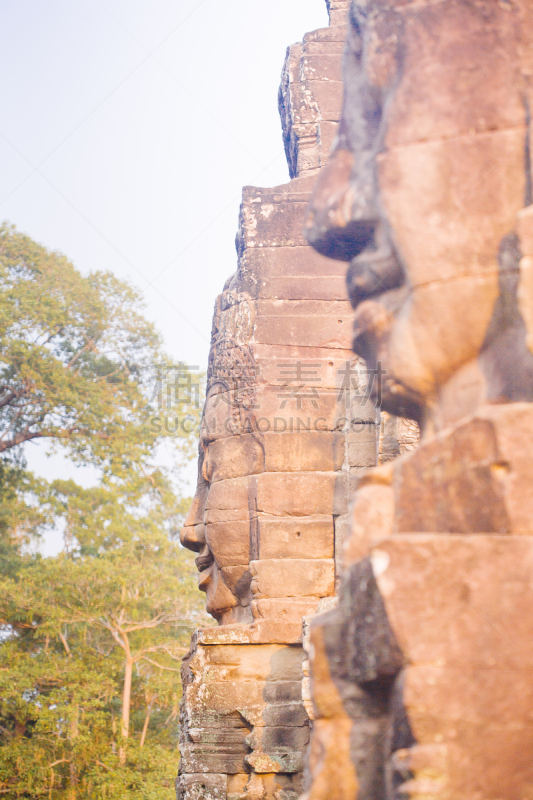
[
  {"x": 235, "y": 577},
  {"x": 363, "y": 442},
  {"x": 371, "y": 518},
  {"x": 463, "y": 622},
  {"x": 226, "y": 635},
  {"x": 321, "y": 67},
  {"x": 473, "y": 478},
  {"x": 294, "y": 578},
  {"x": 198, "y": 761},
  {"x": 342, "y": 532},
  {"x": 297, "y": 494},
  {"x": 283, "y": 691},
  {"x": 266, "y": 263},
  {"x": 225, "y": 696},
  {"x": 285, "y": 411},
  {"x": 494, "y": 195},
  {"x": 328, "y": 96},
  {"x": 228, "y": 500},
  {"x": 278, "y": 739},
  {"x": 324, "y": 367},
  {"x": 525, "y": 288},
  {"x": 337, "y": 16},
  {"x": 425, "y": 105},
  {"x": 334, "y": 33},
  {"x": 209, "y": 719},
  {"x": 254, "y": 662},
  {"x": 330, "y": 758},
  {"x": 237, "y": 786},
  {"x": 267, "y": 786},
  {"x": 470, "y": 653},
  {"x": 234, "y": 457},
  {"x": 333, "y": 331},
  {"x": 303, "y": 288},
  {"x": 303, "y": 452},
  {"x": 285, "y": 630},
  {"x": 308, "y": 154},
  {"x": 262, "y": 630},
  {"x": 230, "y": 740},
  {"x": 362, "y": 412},
  {"x": 323, "y": 48},
  {"x": 272, "y": 224},
  {"x": 229, "y": 542},
  {"x": 284, "y": 761},
  {"x": 305, "y": 308},
  {"x": 285, "y": 537},
  {"x": 284, "y": 608},
  {"x": 285, "y": 715},
  {"x": 343, "y": 494},
  {"x": 201, "y": 787},
  {"x": 328, "y": 134}
]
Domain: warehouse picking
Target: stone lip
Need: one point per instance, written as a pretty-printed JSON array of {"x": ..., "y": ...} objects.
[{"x": 264, "y": 631}]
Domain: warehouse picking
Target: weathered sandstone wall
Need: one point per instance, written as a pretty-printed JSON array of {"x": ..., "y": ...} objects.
[
  {"x": 288, "y": 428},
  {"x": 422, "y": 675}
]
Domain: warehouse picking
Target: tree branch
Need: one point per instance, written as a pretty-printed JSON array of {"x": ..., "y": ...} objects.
[
  {"x": 159, "y": 666},
  {"x": 65, "y": 644},
  {"x": 20, "y": 439}
]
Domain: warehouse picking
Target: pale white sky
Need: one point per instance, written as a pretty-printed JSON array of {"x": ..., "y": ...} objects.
[{"x": 128, "y": 129}]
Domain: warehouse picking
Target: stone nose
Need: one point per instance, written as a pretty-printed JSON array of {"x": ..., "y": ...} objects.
[
  {"x": 376, "y": 270},
  {"x": 341, "y": 217},
  {"x": 192, "y": 534}
]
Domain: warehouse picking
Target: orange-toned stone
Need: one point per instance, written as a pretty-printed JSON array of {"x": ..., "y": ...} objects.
[
  {"x": 303, "y": 537},
  {"x": 476, "y": 477},
  {"x": 461, "y": 607},
  {"x": 301, "y": 494},
  {"x": 292, "y": 578},
  {"x": 274, "y": 466}
]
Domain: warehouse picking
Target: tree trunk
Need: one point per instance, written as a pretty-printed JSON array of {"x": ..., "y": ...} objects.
[
  {"x": 146, "y": 721},
  {"x": 126, "y": 698},
  {"x": 73, "y": 769}
]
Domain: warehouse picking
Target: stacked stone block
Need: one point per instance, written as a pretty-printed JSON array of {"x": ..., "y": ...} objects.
[{"x": 287, "y": 431}]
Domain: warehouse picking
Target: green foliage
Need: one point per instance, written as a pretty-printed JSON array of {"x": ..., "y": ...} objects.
[
  {"x": 79, "y": 362},
  {"x": 78, "y": 623},
  {"x": 23, "y": 511},
  {"x": 91, "y": 640}
]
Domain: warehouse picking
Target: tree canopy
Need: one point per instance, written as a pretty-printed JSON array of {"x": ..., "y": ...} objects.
[
  {"x": 90, "y": 640},
  {"x": 79, "y": 361}
]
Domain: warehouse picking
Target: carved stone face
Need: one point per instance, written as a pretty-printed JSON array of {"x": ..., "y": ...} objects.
[
  {"x": 218, "y": 524},
  {"x": 421, "y": 196}
]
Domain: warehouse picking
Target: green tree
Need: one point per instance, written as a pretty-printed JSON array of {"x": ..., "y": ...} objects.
[
  {"x": 89, "y": 673},
  {"x": 91, "y": 640},
  {"x": 81, "y": 368},
  {"x": 79, "y": 362}
]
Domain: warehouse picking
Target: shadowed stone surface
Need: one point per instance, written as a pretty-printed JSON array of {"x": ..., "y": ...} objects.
[{"x": 420, "y": 676}]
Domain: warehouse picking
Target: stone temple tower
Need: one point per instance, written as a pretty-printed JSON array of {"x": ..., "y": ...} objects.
[{"x": 288, "y": 427}]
